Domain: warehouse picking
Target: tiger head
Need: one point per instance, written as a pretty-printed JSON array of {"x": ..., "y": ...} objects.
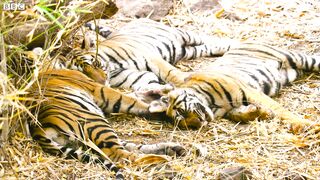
[
  {"x": 88, "y": 62},
  {"x": 187, "y": 110}
]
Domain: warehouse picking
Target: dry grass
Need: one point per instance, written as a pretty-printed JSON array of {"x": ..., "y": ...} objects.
[{"x": 264, "y": 147}]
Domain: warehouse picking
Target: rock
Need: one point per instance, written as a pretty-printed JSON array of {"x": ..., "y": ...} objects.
[
  {"x": 143, "y": 8},
  {"x": 235, "y": 173},
  {"x": 202, "y": 5}
]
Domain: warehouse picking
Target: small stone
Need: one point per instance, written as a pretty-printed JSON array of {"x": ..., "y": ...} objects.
[
  {"x": 235, "y": 173},
  {"x": 202, "y": 5},
  {"x": 157, "y": 9}
]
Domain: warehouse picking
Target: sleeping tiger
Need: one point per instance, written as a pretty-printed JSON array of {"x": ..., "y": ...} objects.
[
  {"x": 238, "y": 85},
  {"x": 71, "y": 118},
  {"x": 132, "y": 49}
]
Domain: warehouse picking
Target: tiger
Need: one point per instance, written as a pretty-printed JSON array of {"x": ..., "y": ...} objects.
[
  {"x": 71, "y": 111},
  {"x": 131, "y": 50},
  {"x": 24, "y": 63},
  {"x": 239, "y": 86}
]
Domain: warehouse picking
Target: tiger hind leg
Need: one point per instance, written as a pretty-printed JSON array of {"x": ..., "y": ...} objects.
[{"x": 52, "y": 142}]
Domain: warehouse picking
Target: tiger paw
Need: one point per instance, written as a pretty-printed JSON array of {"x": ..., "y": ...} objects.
[
  {"x": 158, "y": 106},
  {"x": 249, "y": 113},
  {"x": 153, "y": 93},
  {"x": 167, "y": 148},
  {"x": 156, "y": 89}
]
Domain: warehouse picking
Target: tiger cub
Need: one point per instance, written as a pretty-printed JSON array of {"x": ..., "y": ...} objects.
[
  {"x": 238, "y": 85},
  {"x": 130, "y": 51},
  {"x": 71, "y": 118}
]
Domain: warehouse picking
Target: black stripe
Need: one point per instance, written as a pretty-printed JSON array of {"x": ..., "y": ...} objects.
[
  {"x": 266, "y": 88},
  {"x": 106, "y": 144},
  {"x": 106, "y": 106},
  {"x": 289, "y": 58},
  {"x": 64, "y": 98},
  {"x": 147, "y": 66},
  {"x": 116, "y": 72},
  {"x": 265, "y": 75},
  {"x": 194, "y": 53},
  {"x": 176, "y": 99},
  {"x": 212, "y": 87},
  {"x": 41, "y": 138},
  {"x": 173, "y": 58},
  {"x": 137, "y": 79},
  {"x": 123, "y": 81},
  {"x": 130, "y": 58},
  {"x": 228, "y": 95},
  {"x": 75, "y": 112},
  {"x": 244, "y": 98},
  {"x": 212, "y": 100},
  {"x": 91, "y": 129},
  {"x": 117, "y": 105},
  {"x": 313, "y": 62},
  {"x": 103, "y": 105},
  {"x": 104, "y": 131},
  {"x": 153, "y": 81},
  {"x": 304, "y": 62},
  {"x": 51, "y": 125},
  {"x": 113, "y": 60},
  {"x": 131, "y": 106}
]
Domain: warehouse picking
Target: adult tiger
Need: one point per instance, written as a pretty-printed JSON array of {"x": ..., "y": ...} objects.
[
  {"x": 131, "y": 50},
  {"x": 71, "y": 118},
  {"x": 239, "y": 85}
]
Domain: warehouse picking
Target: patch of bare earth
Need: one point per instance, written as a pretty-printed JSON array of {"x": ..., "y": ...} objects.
[{"x": 266, "y": 148}]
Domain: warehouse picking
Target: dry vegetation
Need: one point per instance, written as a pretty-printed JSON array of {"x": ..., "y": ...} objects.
[{"x": 266, "y": 148}]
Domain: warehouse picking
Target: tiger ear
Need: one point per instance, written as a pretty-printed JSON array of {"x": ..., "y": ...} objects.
[{"x": 97, "y": 74}]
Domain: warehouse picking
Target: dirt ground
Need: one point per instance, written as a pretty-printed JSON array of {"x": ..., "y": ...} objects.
[{"x": 266, "y": 148}]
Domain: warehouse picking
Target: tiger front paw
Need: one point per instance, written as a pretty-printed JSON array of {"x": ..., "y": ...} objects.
[
  {"x": 153, "y": 93},
  {"x": 249, "y": 113}
]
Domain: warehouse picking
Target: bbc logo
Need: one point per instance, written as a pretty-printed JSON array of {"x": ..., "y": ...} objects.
[{"x": 11, "y": 6}]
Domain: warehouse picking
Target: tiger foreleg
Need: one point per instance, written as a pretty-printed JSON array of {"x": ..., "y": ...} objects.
[
  {"x": 266, "y": 103},
  {"x": 55, "y": 142},
  {"x": 166, "y": 71}
]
